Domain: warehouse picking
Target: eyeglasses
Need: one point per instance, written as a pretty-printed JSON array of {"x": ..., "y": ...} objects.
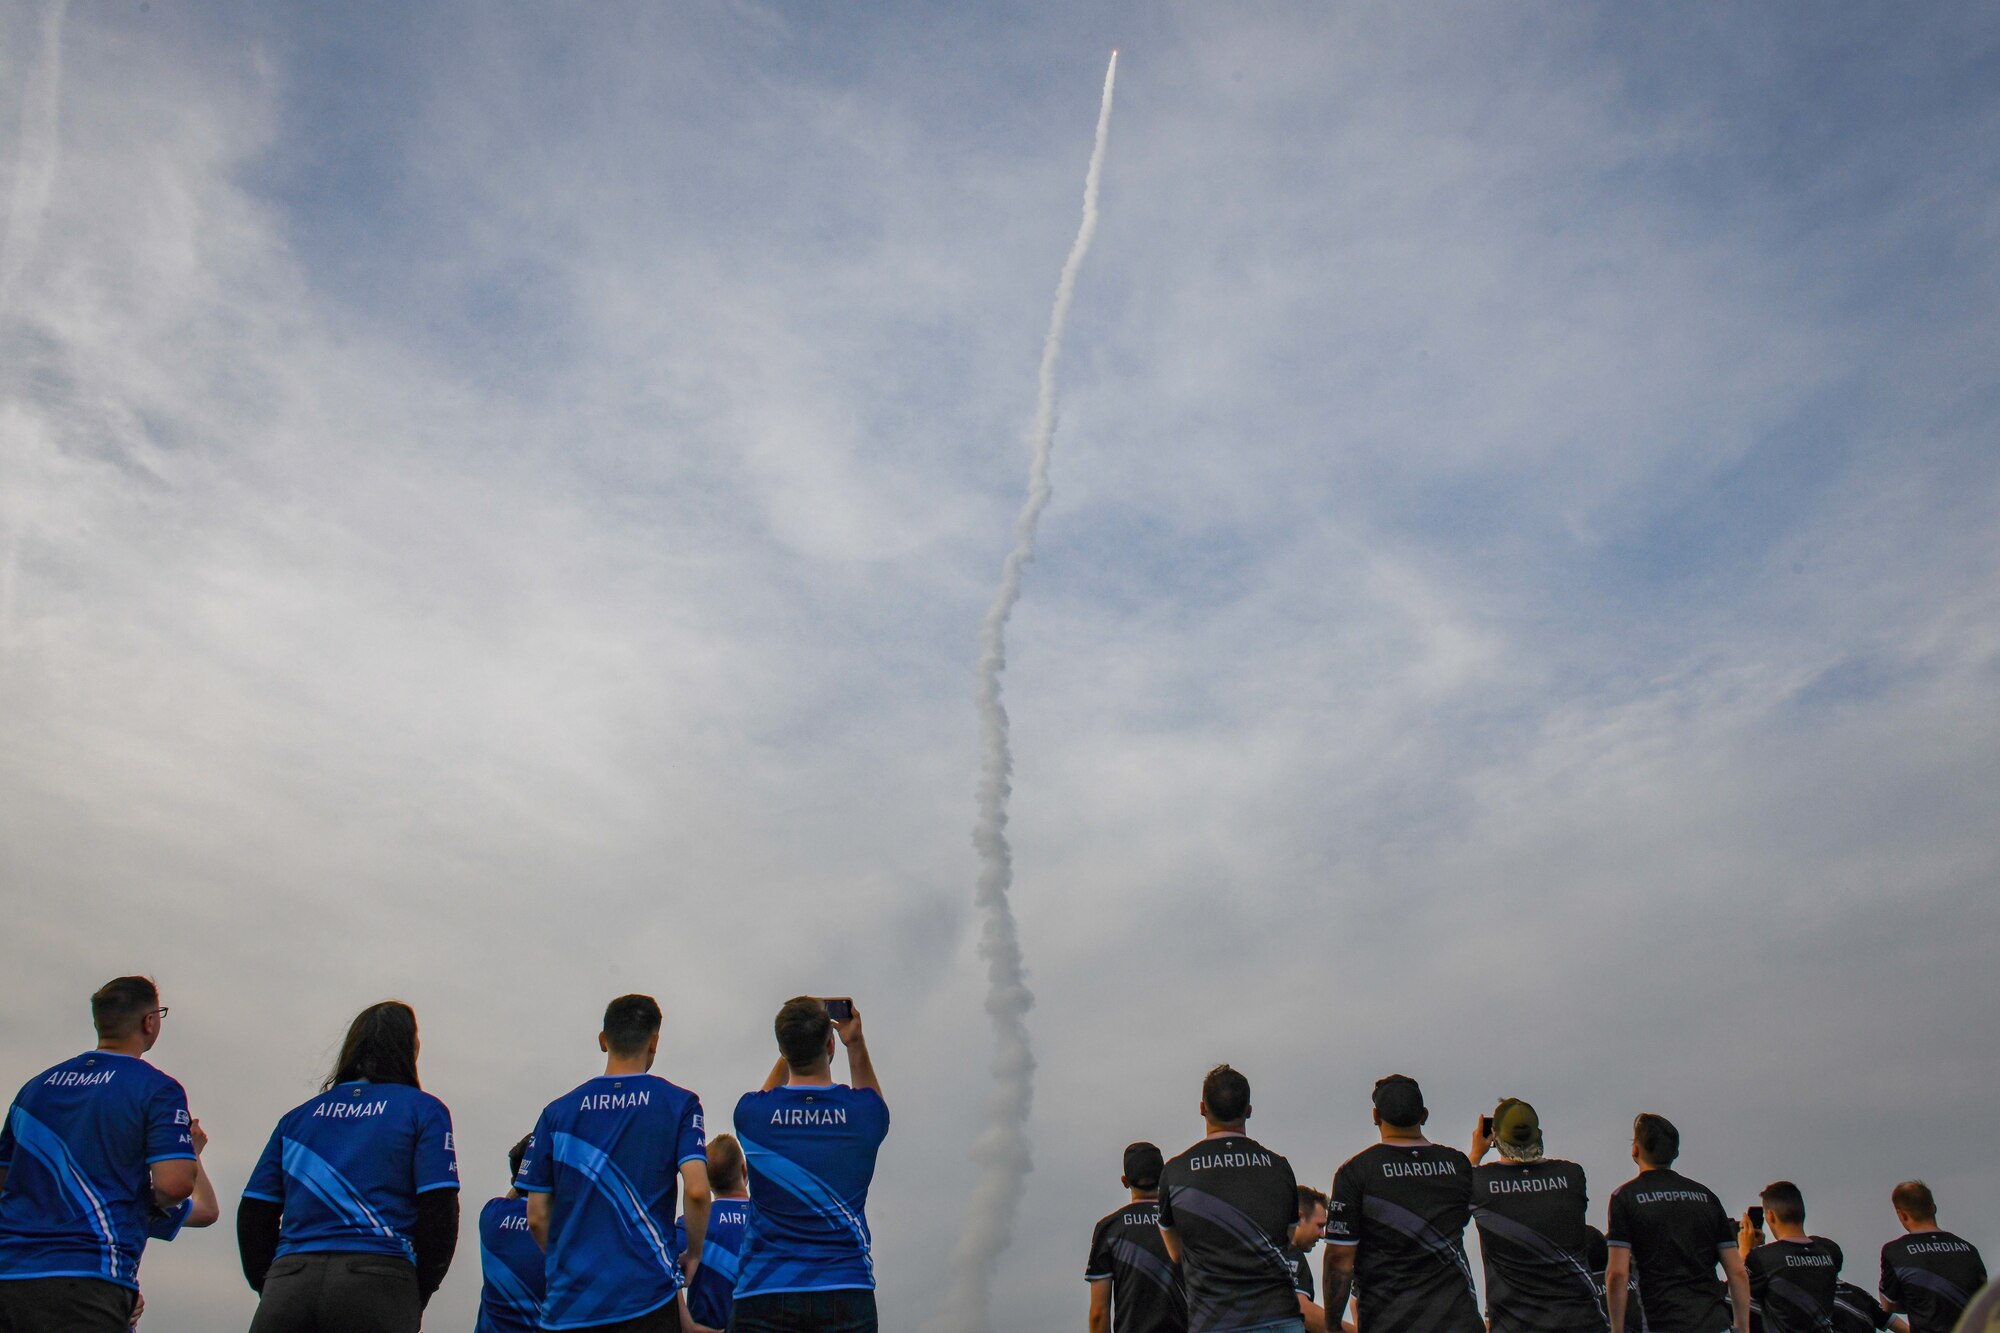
[{"x": 160, "y": 1012}]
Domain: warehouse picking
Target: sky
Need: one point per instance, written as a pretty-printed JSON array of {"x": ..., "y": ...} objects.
[{"x": 496, "y": 504}]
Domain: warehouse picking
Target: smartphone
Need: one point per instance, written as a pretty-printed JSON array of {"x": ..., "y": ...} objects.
[
  {"x": 839, "y": 1010},
  {"x": 1757, "y": 1217},
  {"x": 1486, "y": 1127}
]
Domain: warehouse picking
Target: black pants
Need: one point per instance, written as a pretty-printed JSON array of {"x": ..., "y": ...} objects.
[
  {"x": 64, "y": 1305},
  {"x": 805, "y": 1312},
  {"x": 666, "y": 1319},
  {"x": 339, "y": 1293}
]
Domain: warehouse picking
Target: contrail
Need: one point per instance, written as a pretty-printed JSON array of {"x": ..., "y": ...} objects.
[
  {"x": 35, "y": 160},
  {"x": 1002, "y": 1148}
]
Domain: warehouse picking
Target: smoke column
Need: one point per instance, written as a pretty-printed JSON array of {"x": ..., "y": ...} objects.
[{"x": 1001, "y": 1150}]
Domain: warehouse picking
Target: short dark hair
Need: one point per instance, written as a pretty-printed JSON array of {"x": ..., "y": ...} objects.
[
  {"x": 1143, "y": 1164},
  {"x": 515, "y": 1154},
  {"x": 802, "y": 1027},
  {"x": 1399, "y": 1101},
  {"x": 1915, "y": 1198},
  {"x": 725, "y": 1163},
  {"x": 121, "y": 1003},
  {"x": 380, "y": 1047},
  {"x": 1309, "y": 1199},
  {"x": 1226, "y": 1094},
  {"x": 1656, "y": 1138},
  {"x": 630, "y": 1021},
  {"x": 1783, "y": 1201}
]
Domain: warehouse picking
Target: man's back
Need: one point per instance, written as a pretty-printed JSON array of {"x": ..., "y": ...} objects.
[
  {"x": 1126, "y": 1251},
  {"x": 609, "y": 1154},
  {"x": 1534, "y": 1242},
  {"x": 1676, "y": 1229},
  {"x": 1597, "y": 1258},
  {"x": 510, "y": 1265},
  {"x": 1792, "y": 1284},
  {"x": 77, "y": 1146},
  {"x": 1855, "y": 1311},
  {"x": 810, "y": 1149},
  {"x": 1933, "y": 1275},
  {"x": 1232, "y": 1202},
  {"x": 713, "y": 1290},
  {"x": 1404, "y": 1207}
]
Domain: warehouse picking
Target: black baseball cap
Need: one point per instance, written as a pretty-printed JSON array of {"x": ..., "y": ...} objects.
[
  {"x": 1400, "y": 1101},
  {"x": 1143, "y": 1165}
]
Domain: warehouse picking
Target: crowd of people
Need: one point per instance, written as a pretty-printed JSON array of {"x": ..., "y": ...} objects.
[
  {"x": 1217, "y": 1239},
  {"x": 621, "y": 1215}
]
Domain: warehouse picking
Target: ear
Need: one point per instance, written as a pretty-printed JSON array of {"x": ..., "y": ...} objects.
[
  {"x": 1425, "y": 1118},
  {"x": 1247, "y": 1110},
  {"x": 1126, "y": 1181},
  {"x": 1201, "y": 1108},
  {"x": 653, "y": 1046},
  {"x": 603, "y": 1043},
  {"x": 1375, "y": 1116}
]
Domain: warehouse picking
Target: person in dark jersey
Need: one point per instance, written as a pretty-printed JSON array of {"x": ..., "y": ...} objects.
[
  {"x": 1855, "y": 1311},
  {"x": 1674, "y": 1231},
  {"x": 93, "y": 1153},
  {"x": 1135, "y": 1286},
  {"x": 350, "y": 1218},
  {"x": 1533, "y": 1237},
  {"x": 602, "y": 1173},
  {"x": 810, "y": 1145},
  {"x": 1793, "y": 1276},
  {"x": 1227, "y": 1208},
  {"x": 1395, "y": 1225},
  {"x": 1307, "y": 1233},
  {"x": 711, "y": 1292},
  {"x": 510, "y": 1262},
  {"x": 1598, "y": 1258},
  {"x": 1928, "y": 1272}
]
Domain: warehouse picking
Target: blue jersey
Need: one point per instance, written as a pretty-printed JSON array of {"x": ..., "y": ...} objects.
[
  {"x": 511, "y": 1300},
  {"x": 78, "y": 1147},
  {"x": 610, "y": 1154},
  {"x": 347, "y": 1167},
  {"x": 713, "y": 1292},
  {"x": 811, "y": 1152}
]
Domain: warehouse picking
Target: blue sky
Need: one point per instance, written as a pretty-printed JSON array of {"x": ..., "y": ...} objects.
[{"x": 495, "y": 505}]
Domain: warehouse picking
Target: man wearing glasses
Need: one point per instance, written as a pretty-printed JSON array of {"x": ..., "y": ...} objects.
[{"x": 94, "y": 1153}]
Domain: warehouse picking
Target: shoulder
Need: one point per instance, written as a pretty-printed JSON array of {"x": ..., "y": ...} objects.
[
  {"x": 156, "y": 1080},
  {"x": 425, "y": 1103},
  {"x": 497, "y": 1208},
  {"x": 1362, "y": 1160},
  {"x": 1454, "y": 1155}
]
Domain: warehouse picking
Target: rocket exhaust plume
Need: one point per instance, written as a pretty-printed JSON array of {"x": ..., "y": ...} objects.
[{"x": 1001, "y": 1150}]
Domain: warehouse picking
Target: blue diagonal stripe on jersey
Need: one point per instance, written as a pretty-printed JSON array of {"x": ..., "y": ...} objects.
[
  {"x": 1238, "y": 1224},
  {"x": 594, "y": 1164},
  {"x": 1929, "y": 1281},
  {"x": 507, "y": 1284},
  {"x": 1427, "y": 1237},
  {"x": 718, "y": 1260},
  {"x": 1145, "y": 1263},
  {"x": 49, "y": 1149},
  {"x": 810, "y": 1190},
  {"x": 338, "y": 1192},
  {"x": 1544, "y": 1248}
]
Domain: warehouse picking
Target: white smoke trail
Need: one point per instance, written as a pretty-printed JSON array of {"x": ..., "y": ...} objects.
[
  {"x": 1001, "y": 1150},
  {"x": 35, "y": 159}
]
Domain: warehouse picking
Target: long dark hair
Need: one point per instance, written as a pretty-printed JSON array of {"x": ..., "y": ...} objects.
[{"x": 381, "y": 1047}]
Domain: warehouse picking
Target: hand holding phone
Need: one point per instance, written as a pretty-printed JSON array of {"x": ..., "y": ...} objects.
[
  {"x": 839, "y": 1010},
  {"x": 1756, "y": 1216}
]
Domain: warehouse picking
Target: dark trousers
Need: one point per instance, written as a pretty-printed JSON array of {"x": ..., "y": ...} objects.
[
  {"x": 64, "y": 1305},
  {"x": 666, "y": 1319},
  {"x": 339, "y": 1293},
  {"x": 805, "y": 1312}
]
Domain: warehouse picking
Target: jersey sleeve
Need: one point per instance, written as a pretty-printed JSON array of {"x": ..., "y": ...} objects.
[
  {"x": 1343, "y": 1207},
  {"x": 538, "y": 1164},
  {"x": 1618, "y": 1222},
  {"x": 1097, "y": 1267},
  {"x": 1891, "y": 1285},
  {"x": 168, "y": 1135},
  {"x": 690, "y": 1139},
  {"x": 1839, "y": 1256},
  {"x": 1166, "y": 1205},
  {"x": 1759, "y": 1273},
  {"x": 436, "y": 1164},
  {"x": 680, "y": 1236},
  {"x": 267, "y": 1178},
  {"x": 7, "y": 1143},
  {"x": 1302, "y": 1276}
]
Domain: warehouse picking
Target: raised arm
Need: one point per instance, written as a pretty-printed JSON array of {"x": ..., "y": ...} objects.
[
  {"x": 780, "y": 1074},
  {"x": 860, "y": 1068}
]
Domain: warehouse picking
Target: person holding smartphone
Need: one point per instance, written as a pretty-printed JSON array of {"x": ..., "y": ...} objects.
[
  {"x": 1793, "y": 1277},
  {"x": 810, "y": 1145},
  {"x": 1533, "y": 1236}
]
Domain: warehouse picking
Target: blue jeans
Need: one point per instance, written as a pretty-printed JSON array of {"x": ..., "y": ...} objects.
[{"x": 805, "y": 1312}]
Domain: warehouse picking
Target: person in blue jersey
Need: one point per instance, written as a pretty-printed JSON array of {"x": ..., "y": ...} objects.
[
  {"x": 93, "y": 1152},
  {"x": 711, "y": 1292},
  {"x": 510, "y": 1262},
  {"x": 350, "y": 1218},
  {"x": 810, "y": 1146},
  {"x": 603, "y": 1168}
]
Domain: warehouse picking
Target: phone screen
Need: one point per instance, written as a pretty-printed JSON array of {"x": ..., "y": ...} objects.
[
  {"x": 840, "y": 1010},
  {"x": 1757, "y": 1218},
  {"x": 1486, "y": 1125}
]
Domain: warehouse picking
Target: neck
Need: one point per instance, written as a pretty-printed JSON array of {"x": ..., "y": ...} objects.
[
  {"x": 1145, "y": 1196},
  {"x": 1644, "y": 1167},
  {"x": 1915, "y": 1227},
  {"x": 134, "y": 1045},
  {"x": 819, "y": 1074},
  {"x": 740, "y": 1192},
  {"x": 1398, "y": 1134},
  {"x": 1785, "y": 1230},
  {"x": 626, "y": 1064},
  {"x": 1218, "y": 1130}
]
